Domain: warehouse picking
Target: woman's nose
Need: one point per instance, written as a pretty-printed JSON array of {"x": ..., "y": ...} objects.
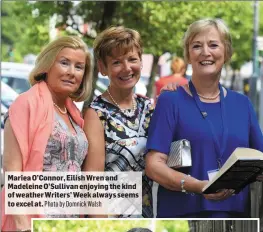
[
  {"x": 205, "y": 50},
  {"x": 127, "y": 66},
  {"x": 71, "y": 70}
]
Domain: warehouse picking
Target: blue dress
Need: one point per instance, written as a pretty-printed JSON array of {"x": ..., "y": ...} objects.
[{"x": 176, "y": 117}]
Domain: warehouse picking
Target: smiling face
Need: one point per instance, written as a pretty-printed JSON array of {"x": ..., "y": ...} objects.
[
  {"x": 66, "y": 74},
  {"x": 124, "y": 71},
  {"x": 206, "y": 53}
]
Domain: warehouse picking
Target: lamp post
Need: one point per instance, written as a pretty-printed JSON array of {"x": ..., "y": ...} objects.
[
  {"x": 255, "y": 188},
  {"x": 254, "y": 77}
]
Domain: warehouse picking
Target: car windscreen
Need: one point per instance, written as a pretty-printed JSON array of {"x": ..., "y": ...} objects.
[{"x": 20, "y": 85}]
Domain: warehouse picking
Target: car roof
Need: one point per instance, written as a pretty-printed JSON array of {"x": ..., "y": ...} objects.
[
  {"x": 21, "y": 67},
  {"x": 14, "y": 74}
]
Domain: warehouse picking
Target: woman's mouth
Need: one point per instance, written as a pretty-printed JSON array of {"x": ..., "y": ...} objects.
[
  {"x": 127, "y": 78},
  {"x": 68, "y": 82},
  {"x": 207, "y": 62}
]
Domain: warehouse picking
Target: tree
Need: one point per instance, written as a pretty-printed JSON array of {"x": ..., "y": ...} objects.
[
  {"x": 21, "y": 31},
  {"x": 161, "y": 23}
]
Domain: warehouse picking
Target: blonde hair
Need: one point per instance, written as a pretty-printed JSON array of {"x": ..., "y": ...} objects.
[
  {"x": 47, "y": 57},
  {"x": 201, "y": 25},
  {"x": 178, "y": 65},
  {"x": 119, "y": 39}
]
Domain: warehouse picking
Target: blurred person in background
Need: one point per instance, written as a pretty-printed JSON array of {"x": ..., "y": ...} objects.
[
  {"x": 214, "y": 119},
  {"x": 178, "y": 68},
  {"x": 43, "y": 130}
]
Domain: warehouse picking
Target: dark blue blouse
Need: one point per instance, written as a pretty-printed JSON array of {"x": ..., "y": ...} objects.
[{"x": 176, "y": 117}]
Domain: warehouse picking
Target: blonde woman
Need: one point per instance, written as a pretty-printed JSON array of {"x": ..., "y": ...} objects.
[
  {"x": 178, "y": 68},
  {"x": 215, "y": 120},
  {"x": 43, "y": 131}
]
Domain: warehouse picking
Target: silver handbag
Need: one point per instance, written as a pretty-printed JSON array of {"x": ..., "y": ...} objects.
[{"x": 180, "y": 154}]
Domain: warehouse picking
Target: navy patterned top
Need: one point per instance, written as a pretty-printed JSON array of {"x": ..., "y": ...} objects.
[{"x": 126, "y": 142}]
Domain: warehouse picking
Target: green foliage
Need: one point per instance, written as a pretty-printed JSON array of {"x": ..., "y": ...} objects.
[
  {"x": 172, "y": 226},
  {"x": 108, "y": 225},
  {"x": 21, "y": 30},
  {"x": 88, "y": 225},
  {"x": 161, "y": 23}
]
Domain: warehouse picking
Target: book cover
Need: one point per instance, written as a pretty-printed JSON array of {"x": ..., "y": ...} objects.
[{"x": 241, "y": 169}]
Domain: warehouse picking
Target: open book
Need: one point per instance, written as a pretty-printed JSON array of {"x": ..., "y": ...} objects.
[{"x": 240, "y": 169}]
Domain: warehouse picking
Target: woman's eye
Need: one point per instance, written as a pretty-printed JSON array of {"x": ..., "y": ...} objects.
[
  {"x": 116, "y": 62},
  {"x": 80, "y": 67},
  {"x": 133, "y": 59},
  {"x": 214, "y": 45},
  {"x": 196, "y": 46},
  {"x": 63, "y": 62}
]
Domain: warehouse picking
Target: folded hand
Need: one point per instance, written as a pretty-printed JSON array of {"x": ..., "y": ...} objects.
[
  {"x": 260, "y": 177},
  {"x": 220, "y": 195}
]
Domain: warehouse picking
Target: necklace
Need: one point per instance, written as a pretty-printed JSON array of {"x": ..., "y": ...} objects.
[
  {"x": 127, "y": 113},
  {"x": 207, "y": 98},
  {"x": 59, "y": 109}
]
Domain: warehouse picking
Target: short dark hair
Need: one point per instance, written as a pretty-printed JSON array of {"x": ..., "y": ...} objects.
[
  {"x": 139, "y": 230},
  {"x": 120, "y": 38}
]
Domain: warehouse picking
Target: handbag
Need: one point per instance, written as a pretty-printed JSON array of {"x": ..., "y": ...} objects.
[{"x": 180, "y": 154}]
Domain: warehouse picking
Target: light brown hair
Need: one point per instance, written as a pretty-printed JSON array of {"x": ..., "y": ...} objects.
[
  {"x": 116, "y": 39},
  {"x": 47, "y": 57},
  {"x": 178, "y": 65},
  {"x": 201, "y": 25}
]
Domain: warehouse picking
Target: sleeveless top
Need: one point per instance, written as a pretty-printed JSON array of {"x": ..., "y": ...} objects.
[
  {"x": 125, "y": 142},
  {"x": 65, "y": 152}
]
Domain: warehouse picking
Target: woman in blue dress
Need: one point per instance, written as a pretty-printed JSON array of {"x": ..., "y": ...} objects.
[{"x": 214, "y": 119}]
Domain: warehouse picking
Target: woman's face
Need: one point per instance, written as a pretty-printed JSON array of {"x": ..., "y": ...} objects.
[
  {"x": 66, "y": 74},
  {"x": 123, "y": 71},
  {"x": 207, "y": 53}
]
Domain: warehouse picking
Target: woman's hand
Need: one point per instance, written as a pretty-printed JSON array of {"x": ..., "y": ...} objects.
[
  {"x": 220, "y": 195},
  {"x": 170, "y": 87},
  {"x": 260, "y": 178}
]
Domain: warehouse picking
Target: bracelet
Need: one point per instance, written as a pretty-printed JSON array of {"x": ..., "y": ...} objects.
[
  {"x": 26, "y": 230},
  {"x": 183, "y": 190},
  {"x": 182, "y": 186}
]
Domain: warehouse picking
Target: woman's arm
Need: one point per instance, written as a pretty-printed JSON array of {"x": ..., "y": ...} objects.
[
  {"x": 95, "y": 159},
  {"x": 157, "y": 169},
  {"x": 12, "y": 161}
]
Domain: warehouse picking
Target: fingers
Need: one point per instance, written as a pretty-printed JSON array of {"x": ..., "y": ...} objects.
[
  {"x": 260, "y": 178},
  {"x": 173, "y": 86},
  {"x": 221, "y": 195},
  {"x": 170, "y": 87}
]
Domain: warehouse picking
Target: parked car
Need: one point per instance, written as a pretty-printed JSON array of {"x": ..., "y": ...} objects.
[
  {"x": 20, "y": 67},
  {"x": 16, "y": 75},
  {"x": 2, "y": 180},
  {"x": 8, "y": 95},
  {"x": 18, "y": 81}
]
